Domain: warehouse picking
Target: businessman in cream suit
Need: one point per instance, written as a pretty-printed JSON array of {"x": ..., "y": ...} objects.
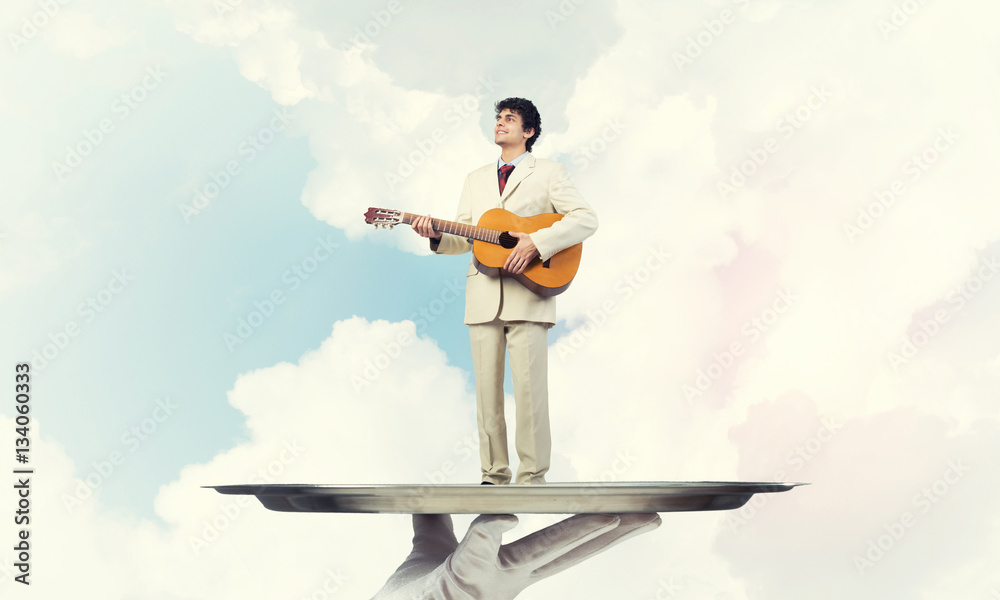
[{"x": 500, "y": 312}]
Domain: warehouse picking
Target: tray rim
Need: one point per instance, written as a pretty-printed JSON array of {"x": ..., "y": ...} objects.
[
  {"x": 553, "y": 498},
  {"x": 556, "y": 488}
]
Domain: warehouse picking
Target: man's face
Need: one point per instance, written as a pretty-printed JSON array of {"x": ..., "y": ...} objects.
[{"x": 508, "y": 129}]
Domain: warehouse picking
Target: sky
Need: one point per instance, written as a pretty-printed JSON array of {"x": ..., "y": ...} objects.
[{"x": 795, "y": 278}]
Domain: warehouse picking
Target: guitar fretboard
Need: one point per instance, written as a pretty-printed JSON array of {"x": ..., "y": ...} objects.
[{"x": 482, "y": 234}]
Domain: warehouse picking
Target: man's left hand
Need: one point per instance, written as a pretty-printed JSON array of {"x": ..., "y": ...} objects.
[{"x": 521, "y": 255}]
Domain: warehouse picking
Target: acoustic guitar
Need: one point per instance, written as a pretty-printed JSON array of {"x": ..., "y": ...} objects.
[{"x": 492, "y": 243}]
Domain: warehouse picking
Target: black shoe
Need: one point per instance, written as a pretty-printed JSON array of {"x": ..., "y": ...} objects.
[{"x": 486, "y": 483}]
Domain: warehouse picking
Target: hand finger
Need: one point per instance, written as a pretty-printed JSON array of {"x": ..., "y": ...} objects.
[
  {"x": 433, "y": 540},
  {"x": 519, "y": 266},
  {"x": 434, "y": 532},
  {"x": 630, "y": 525},
  {"x": 549, "y": 544},
  {"x": 423, "y": 226},
  {"x": 482, "y": 543}
]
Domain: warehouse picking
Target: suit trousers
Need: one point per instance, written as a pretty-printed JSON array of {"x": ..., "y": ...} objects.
[{"x": 527, "y": 344}]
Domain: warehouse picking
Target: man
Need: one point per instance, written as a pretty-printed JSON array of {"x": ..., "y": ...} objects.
[{"x": 499, "y": 311}]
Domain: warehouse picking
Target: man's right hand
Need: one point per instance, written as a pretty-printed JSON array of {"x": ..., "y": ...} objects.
[{"x": 422, "y": 225}]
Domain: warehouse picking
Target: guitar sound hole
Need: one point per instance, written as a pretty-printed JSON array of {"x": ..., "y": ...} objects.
[{"x": 507, "y": 240}]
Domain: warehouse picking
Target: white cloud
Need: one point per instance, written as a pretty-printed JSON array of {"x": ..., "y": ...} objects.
[
  {"x": 895, "y": 503},
  {"x": 78, "y": 34},
  {"x": 847, "y": 109}
]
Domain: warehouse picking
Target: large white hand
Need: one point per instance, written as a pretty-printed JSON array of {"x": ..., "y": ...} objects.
[{"x": 439, "y": 568}]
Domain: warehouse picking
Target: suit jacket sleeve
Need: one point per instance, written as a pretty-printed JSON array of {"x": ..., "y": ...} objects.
[
  {"x": 456, "y": 244},
  {"x": 579, "y": 222}
]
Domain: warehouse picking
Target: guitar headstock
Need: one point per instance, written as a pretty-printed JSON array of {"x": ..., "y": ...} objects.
[{"x": 383, "y": 217}]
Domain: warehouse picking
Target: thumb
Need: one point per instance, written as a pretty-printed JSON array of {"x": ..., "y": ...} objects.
[
  {"x": 433, "y": 535},
  {"x": 482, "y": 542}
]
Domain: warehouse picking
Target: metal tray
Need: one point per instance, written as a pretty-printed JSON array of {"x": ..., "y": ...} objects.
[{"x": 553, "y": 498}]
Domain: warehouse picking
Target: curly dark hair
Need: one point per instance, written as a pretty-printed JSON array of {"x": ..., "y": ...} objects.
[{"x": 530, "y": 118}]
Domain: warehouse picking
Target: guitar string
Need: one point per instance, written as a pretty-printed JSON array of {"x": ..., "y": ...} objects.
[{"x": 488, "y": 235}]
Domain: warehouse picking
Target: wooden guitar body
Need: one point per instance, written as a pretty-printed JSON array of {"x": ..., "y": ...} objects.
[{"x": 544, "y": 278}]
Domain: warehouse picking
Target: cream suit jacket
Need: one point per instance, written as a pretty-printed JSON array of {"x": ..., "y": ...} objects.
[{"x": 535, "y": 186}]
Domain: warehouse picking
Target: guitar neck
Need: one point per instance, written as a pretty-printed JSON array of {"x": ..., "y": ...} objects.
[{"x": 482, "y": 234}]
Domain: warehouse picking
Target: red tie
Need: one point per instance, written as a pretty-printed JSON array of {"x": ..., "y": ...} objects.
[{"x": 504, "y": 174}]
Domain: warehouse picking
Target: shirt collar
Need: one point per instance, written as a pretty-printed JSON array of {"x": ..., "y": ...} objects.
[{"x": 514, "y": 162}]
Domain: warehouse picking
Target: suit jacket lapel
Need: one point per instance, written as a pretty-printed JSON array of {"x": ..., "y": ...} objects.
[{"x": 523, "y": 169}]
